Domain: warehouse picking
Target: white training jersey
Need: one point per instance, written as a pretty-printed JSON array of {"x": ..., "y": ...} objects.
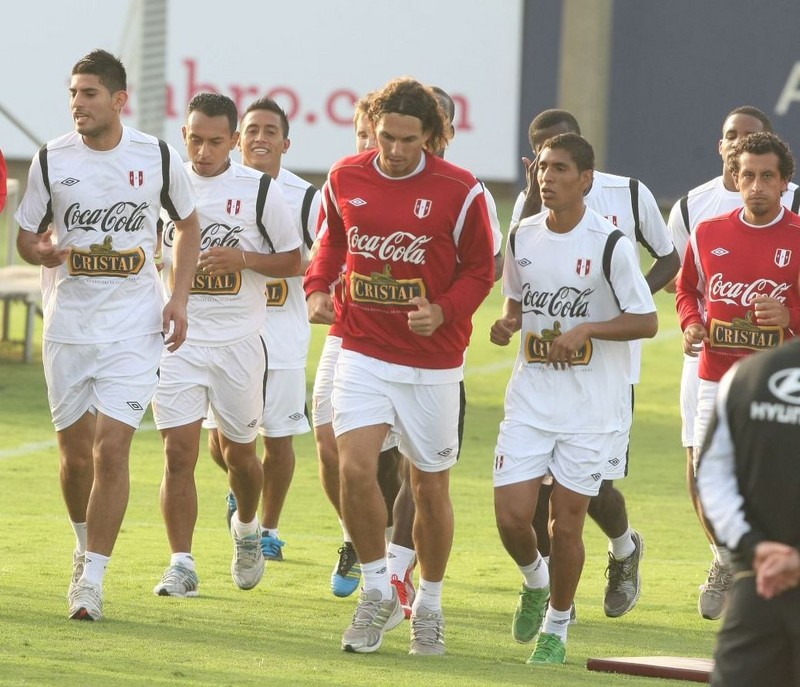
[
  {"x": 610, "y": 196},
  {"x": 104, "y": 207},
  {"x": 708, "y": 200},
  {"x": 287, "y": 331},
  {"x": 229, "y": 308},
  {"x": 560, "y": 281}
]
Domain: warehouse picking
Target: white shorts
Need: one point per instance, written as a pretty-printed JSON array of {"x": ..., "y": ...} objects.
[
  {"x": 576, "y": 461},
  {"x": 285, "y": 412},
  {"x": 116, "y": 379},
  {"x": 230, "y": 378},
  {"x": 706, "y": 396},
  {"x": 321, "y": 409},
  {"x": 424, "y": 415},
  {"x": 689, "y": 383},
  {"x": 617, "y": 465}
]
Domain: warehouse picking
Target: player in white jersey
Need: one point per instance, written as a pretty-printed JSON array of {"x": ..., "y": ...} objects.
[
  {"x": 98, "y": 192},
  {"x": 246, "y": 234},
  {"x": 263, "y": 142},
  {"x": 716, "y": 197},
  {"x": 574, "y": 288},
  {"x": 629, "y": 205}
]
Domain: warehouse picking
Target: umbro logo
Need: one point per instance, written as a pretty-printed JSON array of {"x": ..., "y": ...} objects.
[
  {"x": 614, "y": 461},
  {"x": 524, "y": 262},
  {"x": 719, "y": 252},
  {"x": 596, "y": 476},
  {"x": 135, "y": 405},
  {"x": 296, "y": 416},
  {"x": 358, "y": 202},
  {"x": 69, "y": 181},
  {"x": 252, "y": 424},
  {"x": 444, "y": 453}
]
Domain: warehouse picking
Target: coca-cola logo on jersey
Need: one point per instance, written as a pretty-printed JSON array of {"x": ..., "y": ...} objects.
[
  {"x": 743, "y": 293},
  {"x": 122, "y": 216},
  {"x": 215, "y": 234},
  {"x": 565, "y": 302},
  {"x": 399, "y": 246}
]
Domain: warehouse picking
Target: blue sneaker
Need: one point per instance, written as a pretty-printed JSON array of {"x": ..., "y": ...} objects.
[
  {"x": 230, "y": 501},
  {"x": 347, "y": 573},
  {"x": 272, "y": 547}
]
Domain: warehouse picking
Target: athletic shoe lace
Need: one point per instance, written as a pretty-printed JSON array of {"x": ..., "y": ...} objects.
[{"x": 347, "y": 559}]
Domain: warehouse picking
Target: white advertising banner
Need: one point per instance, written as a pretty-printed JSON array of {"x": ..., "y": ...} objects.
[{"x": 315, "y": 57}]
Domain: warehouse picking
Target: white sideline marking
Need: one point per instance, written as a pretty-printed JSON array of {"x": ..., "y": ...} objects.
[{"x": 26, "y": 449}]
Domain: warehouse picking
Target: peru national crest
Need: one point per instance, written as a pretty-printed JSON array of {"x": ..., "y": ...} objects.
[
  {"x": 422, "y": 208},
  {"x": 583, "y": 267},
  {"x": 234, "y": 206},
  {"x": 136, "y": 178},
  {"x": 782, "y": 257}
]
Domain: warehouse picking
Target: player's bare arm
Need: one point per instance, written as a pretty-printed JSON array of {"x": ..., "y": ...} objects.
[
  {"x": 39, "y": 249},
  {"x": 220, "y": 260},
  {"x": 694, "y": 336},
  {"x": 320, "y": 308},
  {"x": 503, "y": 329},
  {"x": 624, "y": 327},
  {"x": 662, "y": 272},
  {"x": 533, "y": 200},
  {"x": 186, "y": 252},
  {"x": 426, "y": 319}
]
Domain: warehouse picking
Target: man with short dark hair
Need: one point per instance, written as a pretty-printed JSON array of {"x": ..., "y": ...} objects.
[
  {"x": 246, "y": 234},
  {"x": 630, "y": 206},
  {"x": 571, "y": 261},
  {"x": 98, "y": 190},
  {"x": 718, "y": 196}
]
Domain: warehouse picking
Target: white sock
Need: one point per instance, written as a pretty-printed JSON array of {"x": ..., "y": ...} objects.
[
  {"x": 245, "y": 529},
  {"x": 546, "y": 560},
  {"x": 722, "y": 555},
  {"x": 80, "y": 535},
  {"x": 345, "y": 533},
  {"x": 95, "y": 569},
  {"x": 556, "y": 622},
  {"x": 376, "y": 577},
  {"x": 536, "y": 575},
  {"x": 400, "y": 559},
  {"x": 622, "y": 547},
  {"x": 184, "y": 559},
  {"x": 389, "y": 533},
  {"x": 266, "y": 532},
  {"x": 429, "y": 594}
]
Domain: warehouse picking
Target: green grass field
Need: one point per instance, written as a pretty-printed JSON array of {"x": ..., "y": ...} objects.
[{"x": 287, "y": 630}]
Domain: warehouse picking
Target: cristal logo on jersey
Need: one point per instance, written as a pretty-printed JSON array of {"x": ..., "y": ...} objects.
[
  {"x": 399, "y": 246},
  {"x": 582, "y": 267},
  {"x": 743, "y": 332},
  {"x": 422, "y": 208},
  {"x": 216, "y": 285},
  {"x": 276, "y": 293},
  {"x": 537, "y": 346},
  {"x": 782, "y": 257},
  {"x": 565, "y": 302},
  {"x": 136, "y": 178},
  {"x": 233, "y": 206},
  {"x": 101, "y": 260},
  {"x": 381, "y": 287}
]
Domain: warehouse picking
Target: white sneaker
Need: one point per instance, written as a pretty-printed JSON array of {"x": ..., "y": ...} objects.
[
  {"x": 78, "y": 564},
  {"x": 372, "y": 618},
  {"x": 177, "y": 580},
  {"x": 247, "y": 567},
  {"x": 85, "y": 601},
  {"x": 427, "y": 633}
]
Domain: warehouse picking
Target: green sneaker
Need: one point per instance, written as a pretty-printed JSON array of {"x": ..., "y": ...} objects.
[
  {"x": 550, "y": 648},
  {"x": 529, "y": 612}
]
